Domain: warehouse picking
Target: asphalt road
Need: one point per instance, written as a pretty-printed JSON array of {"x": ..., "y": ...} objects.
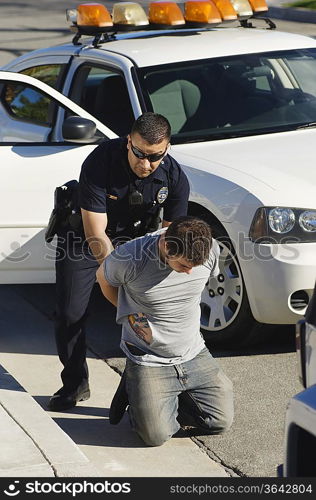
[{"x": 264, "y": 379}]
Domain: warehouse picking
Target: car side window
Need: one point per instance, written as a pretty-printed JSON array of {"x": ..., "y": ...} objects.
[
  {"x": 51, "y": 74},
  {"x": 26, "y": 103},
  {"x": 27, "y": 114},
  {"x": 103, "y": 93}
]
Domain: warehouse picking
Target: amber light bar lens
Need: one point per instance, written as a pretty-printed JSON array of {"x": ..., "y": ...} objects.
[
  {"x": 258, "y": 5},
  {"x": 201, "y": 11},
  {"x": 226, "y": 10},
  {"x": 165, "y": 13},
  {"x": 93, "y": 14}
]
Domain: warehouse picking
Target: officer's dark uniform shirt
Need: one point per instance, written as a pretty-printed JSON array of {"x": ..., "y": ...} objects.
[{"x": 106, "y": 182}]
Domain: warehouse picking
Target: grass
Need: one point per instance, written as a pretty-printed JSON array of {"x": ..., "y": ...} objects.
[{"x": 306, "y": 4}]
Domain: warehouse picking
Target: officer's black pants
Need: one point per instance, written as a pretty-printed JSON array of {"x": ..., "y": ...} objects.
[{"x": 75, "y": 276}]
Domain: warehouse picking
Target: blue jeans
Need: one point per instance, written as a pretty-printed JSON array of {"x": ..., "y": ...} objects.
[{"x": 196, "y": 393}]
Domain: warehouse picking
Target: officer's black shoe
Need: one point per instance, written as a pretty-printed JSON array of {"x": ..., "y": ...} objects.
[
  {"x": 63, "y": 401},
  {"x": 119, "y": 402}
]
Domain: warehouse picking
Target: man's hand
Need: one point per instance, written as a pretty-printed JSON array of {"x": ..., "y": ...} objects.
[
  {"x": 110, "y": 292},
  {"x": 165, "y": 223},
  {"x": 94, "y": 227}
]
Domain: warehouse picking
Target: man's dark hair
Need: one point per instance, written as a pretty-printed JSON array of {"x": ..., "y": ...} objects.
[
  {"x": 190, "y": 238},
  {"x": 152, "y": 127}
]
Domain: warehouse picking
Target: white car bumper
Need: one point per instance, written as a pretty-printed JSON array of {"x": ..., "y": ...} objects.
[{"x": 272, "y": 274}]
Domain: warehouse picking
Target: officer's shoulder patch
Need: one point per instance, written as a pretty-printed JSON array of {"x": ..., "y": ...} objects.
[{"x": 162, "y": 194}]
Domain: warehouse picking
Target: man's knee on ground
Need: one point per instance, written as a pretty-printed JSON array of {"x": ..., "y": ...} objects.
[
  {"x": 219, "y": 423},
  {"x": 154, "y": 437}
]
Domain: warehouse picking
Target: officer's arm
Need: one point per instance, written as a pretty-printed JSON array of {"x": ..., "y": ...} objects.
[
  {"x": 94, "y": 227},
  {"x": 110, "y": 292},
  {"x": 176, "y": 203}
]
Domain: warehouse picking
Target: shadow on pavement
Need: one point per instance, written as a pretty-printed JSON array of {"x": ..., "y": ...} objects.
[
  {"x": 27, "y": 311},
  {"x": 7, "y": 382},
  {"x": 99, "y": 432}
]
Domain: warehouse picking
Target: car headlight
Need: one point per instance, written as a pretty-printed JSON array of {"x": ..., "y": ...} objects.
[
  {"x": 281, "y": 220},
  {"x": 283, "y": 225},
  {"x": 307, "y": 220}
]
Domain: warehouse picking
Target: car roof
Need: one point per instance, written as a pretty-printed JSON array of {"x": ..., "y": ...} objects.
[
  {"x": 195, "y": 45},
  {"x": 159, "y": 47}
]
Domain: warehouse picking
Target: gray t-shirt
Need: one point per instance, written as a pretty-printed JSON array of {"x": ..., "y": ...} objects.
[{"x": 159, "y": 308}]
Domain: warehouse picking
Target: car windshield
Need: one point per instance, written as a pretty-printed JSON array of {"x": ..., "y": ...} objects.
[{"x": 234, "y": 96}]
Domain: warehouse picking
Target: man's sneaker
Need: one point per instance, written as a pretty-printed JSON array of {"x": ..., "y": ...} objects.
[
  {"x": 119, "y": 402},
  {"x": 62, "y": 400}
]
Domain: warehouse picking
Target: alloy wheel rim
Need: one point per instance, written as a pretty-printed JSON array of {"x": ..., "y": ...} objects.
[{"x": 222, "y": 296}]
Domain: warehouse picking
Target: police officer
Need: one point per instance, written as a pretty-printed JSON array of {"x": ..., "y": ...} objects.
[{"x": 124, "y": 184}]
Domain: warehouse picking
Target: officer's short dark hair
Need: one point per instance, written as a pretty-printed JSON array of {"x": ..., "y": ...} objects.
[
  {"x": 152, "y": 127},
  {"x": 190, "y": 238}
]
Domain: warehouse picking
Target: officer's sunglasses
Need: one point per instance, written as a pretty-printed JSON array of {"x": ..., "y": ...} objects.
[{"x": 151, "y": 157}]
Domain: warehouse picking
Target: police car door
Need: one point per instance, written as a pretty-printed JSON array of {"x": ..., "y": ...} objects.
[{"x": 34, "y": 159}]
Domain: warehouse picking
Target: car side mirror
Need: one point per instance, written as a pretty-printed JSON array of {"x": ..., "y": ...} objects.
[{"x": 78, "y": 129}]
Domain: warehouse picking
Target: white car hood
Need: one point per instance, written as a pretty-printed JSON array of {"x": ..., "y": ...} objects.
[{"x": 279, "y": 169}]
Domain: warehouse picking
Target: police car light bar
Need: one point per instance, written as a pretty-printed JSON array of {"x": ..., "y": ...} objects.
[
  {"x": 226, "y": 10},
  {"x": 258, "y": 5},
  {"x": 93, "y": 14},
  {"x": 94, "y": 19},
  {"x": 165, "y": 14},
  {"x": 243, "y": 8},
  {"x": 201, "y": 13},
  {"x": 129, "y": 14}
]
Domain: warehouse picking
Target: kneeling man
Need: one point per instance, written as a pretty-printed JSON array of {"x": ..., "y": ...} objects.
[{"x": 171, "y": 378}]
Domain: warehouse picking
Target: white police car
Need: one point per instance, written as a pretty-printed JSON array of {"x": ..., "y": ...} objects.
[
  {"x": 242, "y": 105},
  {"x": 300, "y": 422}
]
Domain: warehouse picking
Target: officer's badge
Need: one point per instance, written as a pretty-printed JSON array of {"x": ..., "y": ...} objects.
[{"x": 162, "y": 194}]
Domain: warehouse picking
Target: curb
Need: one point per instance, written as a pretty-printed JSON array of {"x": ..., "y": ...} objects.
[
  {"x": 35, "y": 444},
  {"x": 290, "y": 14}
]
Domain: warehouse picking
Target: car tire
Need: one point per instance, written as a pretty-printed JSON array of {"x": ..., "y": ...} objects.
[{"x": 226, "y": 318}]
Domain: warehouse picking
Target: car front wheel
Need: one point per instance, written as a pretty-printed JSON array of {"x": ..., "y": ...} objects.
[{"x": 226, "y": 318}]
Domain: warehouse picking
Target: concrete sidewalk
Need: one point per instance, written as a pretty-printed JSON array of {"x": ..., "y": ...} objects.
[{"x": 79, "y": 442}]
